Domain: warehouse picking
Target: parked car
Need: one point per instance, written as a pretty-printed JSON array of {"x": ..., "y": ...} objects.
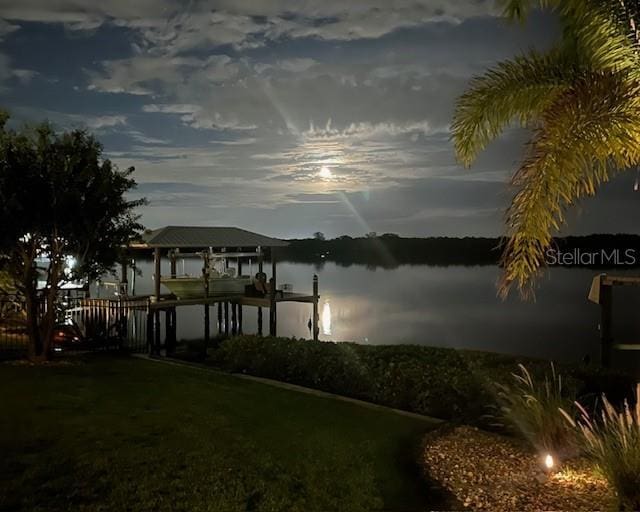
[{"x": 67, "y": 337}]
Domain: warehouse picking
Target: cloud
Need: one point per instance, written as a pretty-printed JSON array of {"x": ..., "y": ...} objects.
[
  {"x": 245, "y": 141},
  {"x": 296, "y": 65},
  {"x": 6, "y": 72},
  {"x": 24, "y": 76},
  {"x": 184, "y": 25},
  {"x": 140, "y": 74},
  {"x": 98, "y": 122},
  {"x": 145, "y": 139},
  {"x": 229, "y": 109},
  {"x": 196, "y": 117},
  {"x": 83, "y": 13},
  {"x": 180, "y": 108},
  {"x": 367, "y": 130},
  {"x": 7, "y": 28}
]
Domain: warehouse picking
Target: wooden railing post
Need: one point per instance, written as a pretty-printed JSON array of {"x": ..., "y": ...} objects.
[{"x": 606, "y": 321}]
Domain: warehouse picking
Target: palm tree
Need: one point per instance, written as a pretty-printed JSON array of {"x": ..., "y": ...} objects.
[{"x": 581, "y": 100}]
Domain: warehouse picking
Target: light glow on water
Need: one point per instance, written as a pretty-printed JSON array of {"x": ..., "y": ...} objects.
[{"x": 326, "y": 318}]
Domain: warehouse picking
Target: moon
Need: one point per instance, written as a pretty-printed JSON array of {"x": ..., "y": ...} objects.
[{"x": 325, "y": 173}]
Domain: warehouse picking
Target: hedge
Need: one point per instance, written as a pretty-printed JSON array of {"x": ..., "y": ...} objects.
[{"x": 445, "y": 383}]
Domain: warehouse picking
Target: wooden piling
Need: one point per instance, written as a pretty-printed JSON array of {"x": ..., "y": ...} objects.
[
  {"x": 316, "y": 316},
  {"x": 606, "y": 323},
  {"x": 226, "y": 319},
  {"x": 172, "y": 331},
  {"x": 207, "y": 334},
  {"x": 157, "y": 261},
  {"x": 234, "y": 319},
  {"x": 260, "y": 270},
  {"x": 273, "y": 308},
  {"x": 150, "y": 336},
  {"x": 207, "y": 323},
  {"x": 157, "y": 340},
  {"x": 273, "y": 311},
  {"x": 172, "y": 259}
]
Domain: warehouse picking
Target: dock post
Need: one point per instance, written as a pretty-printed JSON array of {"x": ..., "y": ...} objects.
[
  {"x": 207, "y": 334},
  {"x": 156, "y": 348},
  {"x": 234, "y": 319},
  {"x": 273, "y": 309},
  {"x": 150, "y": 331},
  {"x": 226, "y": 319},
  {"x": 167, "y": 331},
  {"x": 157, "y": 257},
  {"x": 207, "y": 323},
  {"x": 172, "y": 259},
  {"x": 606, "y": 314},
  {"x": 157, "y": 261},
  {"x": 171, "y": 330},
  {"x": 316, "y": 317}
]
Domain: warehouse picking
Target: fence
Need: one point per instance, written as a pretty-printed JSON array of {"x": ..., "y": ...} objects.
[
  {"x": 13, "y": 330},
  {"x": 81, "y": 324}
]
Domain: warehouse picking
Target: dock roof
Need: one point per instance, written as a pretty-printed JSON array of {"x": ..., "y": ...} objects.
[{"x": 194, "y": 237}]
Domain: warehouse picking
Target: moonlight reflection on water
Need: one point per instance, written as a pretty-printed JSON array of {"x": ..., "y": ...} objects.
[{"x": 451, "y": 306}]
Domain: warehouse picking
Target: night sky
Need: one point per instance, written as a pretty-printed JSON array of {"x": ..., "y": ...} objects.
[{"x": 284, "y": 116}]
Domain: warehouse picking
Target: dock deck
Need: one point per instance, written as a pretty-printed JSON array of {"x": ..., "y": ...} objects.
[{"x": 243, "y": 300}]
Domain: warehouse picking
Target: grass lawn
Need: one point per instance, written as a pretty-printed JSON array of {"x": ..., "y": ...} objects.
[{"x": 121, "y": 434}]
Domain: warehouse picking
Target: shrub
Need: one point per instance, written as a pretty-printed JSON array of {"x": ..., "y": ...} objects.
[
  {"x": 613, "y": 443},
  {"x": 531, "y": 408},
  {"x": 441, "y": 382},
  {"x": 426, "y": 380},
  {"x": 332, "y": 367}
]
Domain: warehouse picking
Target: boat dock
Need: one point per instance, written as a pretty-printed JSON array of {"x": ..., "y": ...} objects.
[{"x": 223, "y": 244}]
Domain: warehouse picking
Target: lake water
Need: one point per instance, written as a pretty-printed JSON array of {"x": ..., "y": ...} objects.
[{"x": 442, "y": 306}]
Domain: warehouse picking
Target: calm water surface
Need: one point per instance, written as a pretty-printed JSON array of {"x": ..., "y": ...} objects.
[{"x": 442, "y": 306}]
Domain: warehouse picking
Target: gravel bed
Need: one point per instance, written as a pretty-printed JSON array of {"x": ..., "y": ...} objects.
[{"x": 486, "y": 471}]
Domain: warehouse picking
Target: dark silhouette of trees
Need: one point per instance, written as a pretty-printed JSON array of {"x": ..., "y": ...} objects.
[{"x": 63, "y": 216}]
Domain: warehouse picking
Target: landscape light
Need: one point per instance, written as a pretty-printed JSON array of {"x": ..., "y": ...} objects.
[{"x": 548, "y": 461}]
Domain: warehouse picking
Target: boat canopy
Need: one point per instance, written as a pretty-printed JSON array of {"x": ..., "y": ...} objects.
[{"x": 196, "y": 237}]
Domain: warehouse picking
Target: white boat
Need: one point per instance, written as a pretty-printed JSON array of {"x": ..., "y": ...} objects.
[{"x": 188, "y": 287}]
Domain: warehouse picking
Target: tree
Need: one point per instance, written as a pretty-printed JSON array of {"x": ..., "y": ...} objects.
[
  {"x": 581, "y": 99},
  {"x": 319, "y": 235},
  {"x": 59, "y": 198}
]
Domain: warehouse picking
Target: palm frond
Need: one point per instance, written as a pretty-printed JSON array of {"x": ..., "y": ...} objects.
[
  {"x": 600, "y": 29},
  {"x": 518, "y": 10},
  {"x": 518, "y": 89},
  {"x": 590, "y": 131}
]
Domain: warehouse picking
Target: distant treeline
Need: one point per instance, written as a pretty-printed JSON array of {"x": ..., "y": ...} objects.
[{"x": 390, "y": 250}]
